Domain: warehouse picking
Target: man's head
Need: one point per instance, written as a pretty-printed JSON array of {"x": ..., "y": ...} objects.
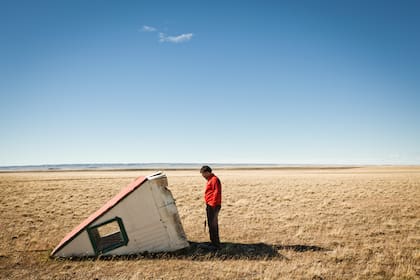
[{"x": 206, "y": 171}]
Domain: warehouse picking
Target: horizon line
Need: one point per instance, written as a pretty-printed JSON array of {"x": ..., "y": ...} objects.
[{"x": 270, "y": 164}]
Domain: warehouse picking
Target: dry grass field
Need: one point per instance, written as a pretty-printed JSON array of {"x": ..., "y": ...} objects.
[{"x": 356, "y": 223}]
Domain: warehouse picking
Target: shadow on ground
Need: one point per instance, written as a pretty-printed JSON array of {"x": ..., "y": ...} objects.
[{"x": 228, "y": 250}]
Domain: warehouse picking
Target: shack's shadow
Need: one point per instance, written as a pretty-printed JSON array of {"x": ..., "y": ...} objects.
[{"x": 228, "y": 250}]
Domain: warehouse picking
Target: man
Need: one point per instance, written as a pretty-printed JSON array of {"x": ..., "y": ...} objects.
[{"x": 213, "y": 199}]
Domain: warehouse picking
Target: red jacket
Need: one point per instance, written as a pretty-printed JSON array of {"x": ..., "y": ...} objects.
[{"x": 213, "y": 193}]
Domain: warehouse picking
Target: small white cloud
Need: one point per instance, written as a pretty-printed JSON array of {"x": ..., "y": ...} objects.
[
  {"x": 175, "y": 39},
  {"x": 166, "y": 38},
  {"x": 147, "y": 28}
]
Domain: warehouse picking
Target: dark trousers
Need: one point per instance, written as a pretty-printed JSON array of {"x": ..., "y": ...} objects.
[{"x": 213, "y": 222}]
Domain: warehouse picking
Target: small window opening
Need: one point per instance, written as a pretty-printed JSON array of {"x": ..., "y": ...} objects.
[{"x": 108, "y": 235}]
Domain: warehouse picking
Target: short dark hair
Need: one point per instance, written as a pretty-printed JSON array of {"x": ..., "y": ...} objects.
[{"x": 205, "y": 168}]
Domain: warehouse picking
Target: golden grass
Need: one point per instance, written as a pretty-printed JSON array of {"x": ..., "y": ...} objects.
[{"x": 361, "y": 223}]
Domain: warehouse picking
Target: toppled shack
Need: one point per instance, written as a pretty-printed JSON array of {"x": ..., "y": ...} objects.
[{"x": 141, "y": 218}]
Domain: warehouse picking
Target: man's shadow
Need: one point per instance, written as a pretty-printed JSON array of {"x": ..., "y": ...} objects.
[
  {"x": 250, "y": 251},
  {"x": 228, "y": 250}
]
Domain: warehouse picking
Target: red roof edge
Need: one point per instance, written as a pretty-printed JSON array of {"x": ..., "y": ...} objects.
[{"x": 101, "y": 211}]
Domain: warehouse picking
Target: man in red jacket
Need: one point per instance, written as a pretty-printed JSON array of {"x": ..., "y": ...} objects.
[{"x": 213, "y": 198}]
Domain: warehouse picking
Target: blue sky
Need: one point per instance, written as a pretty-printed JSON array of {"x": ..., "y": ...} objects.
[{"x": 220, "y": 81}]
